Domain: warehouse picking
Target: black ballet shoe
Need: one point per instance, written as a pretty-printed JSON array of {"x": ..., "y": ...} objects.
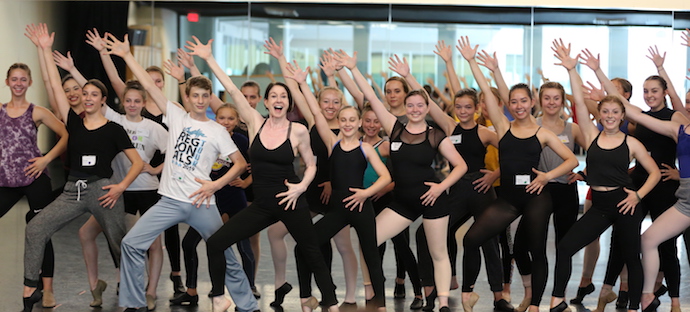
[
  {"x": 185, "y": 299},
  {"x": 582, "y": 292},
  {"x": 280, "y": 294},
  {"x": 178, "y": 287},
  {"x": 399, "y": 291},
  {"x": 444, "y": 309},
  {"x": 661, "y": 291},
  {"x": 622, "y": 302},
  {"x": 430, "y": 301},
  {"x": 652, "y": 305},
  {"x": 256, "y": 293},
  {"x": 142, "y": 309},
  {"x": 417, "y": 304},
  {"x": 503, "y": 306},
  {"x": 29, "y": 301},
  {"x": 561, "y": 307}
]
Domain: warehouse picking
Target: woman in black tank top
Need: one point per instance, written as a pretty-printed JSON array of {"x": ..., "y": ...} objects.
[
  {"x": 417, "y": 190},
  {"x": 350, "y": 204},
  {"x": 277, "y": 188},
  {"x": 613, "y": 199},
  {"x": 520, "y": 147}
]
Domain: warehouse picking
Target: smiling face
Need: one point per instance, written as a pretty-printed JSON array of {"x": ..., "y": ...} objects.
[
  {"x": 654, "y": 94},
  {"x": 464, "y": 108},
  {"x": 228, "y": 118},
  {"x": 134, "y": 102},
  {"x": 416, "y": 108},
  {"x": 611, "y": 114},
  {"x": 349, "y": 121},
  {"x": 370, "y": 124},
  {"x": 199, "y": 99},
  {"x": 73, "y": 92},
  {"x": 251, "y": 93},
  {"x": 551, "y": 100},
  {"x": 395, "y": 93},
  {"x": 277, "y": 101},
  {"x": 93, "y": 98},
  {"x": 330, "y": 101},
  {"x": 19, "y": 80},
  {"x": 521, "y": 104}
]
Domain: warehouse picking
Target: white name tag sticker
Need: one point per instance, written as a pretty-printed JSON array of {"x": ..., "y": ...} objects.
[
  {"x": 522, "y": 179},
  {"x": 143, "y": 132},
  {"x": 564, "y": 139},
  {"x": 395, "y": 146},
  {"x": 456, "y": 139},
  {"x": 88, "y": 160},
  {"x": 178, "y": 176}
]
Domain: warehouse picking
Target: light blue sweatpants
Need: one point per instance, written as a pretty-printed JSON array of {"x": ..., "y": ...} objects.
[{"x": 164, "y": 214}]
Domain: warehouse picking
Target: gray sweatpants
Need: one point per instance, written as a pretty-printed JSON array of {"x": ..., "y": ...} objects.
[
  {"x": 164, "y": 214},
  {"x": 75, "y": 200}
]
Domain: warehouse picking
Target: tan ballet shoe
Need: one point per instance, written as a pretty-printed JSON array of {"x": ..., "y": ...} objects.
[
  {"x": 468, "y": 304},
  {"x": 150, "y": 302},
  {"x": 48, "y": 299},
  {"x": 311, "y": 303},
  {"x": 524, "y": 305},
  {"x": 609, "y": 297},
  {"x": 673, "y": 308},
  {"x": 97, "y": 294}
]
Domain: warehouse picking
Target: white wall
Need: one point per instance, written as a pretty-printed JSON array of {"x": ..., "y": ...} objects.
[{"x": 14, "y": 16}]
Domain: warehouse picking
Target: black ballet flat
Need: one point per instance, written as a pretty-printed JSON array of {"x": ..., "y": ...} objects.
[
  {"x": 582, "y": 292},
  {"x": 29, "y": 301},
  {"x": 661, "y": 291},
  {"x": 430, "y": 301},
  {"x": 622, "y": 302},
  {"x": 280, "y": 294},
  {"x": 652, "y": 305},
  {"x": 444, "y": 309},
  {"x": 178, "y": 287},
  {"x": 185, "y": 299},
  {"x": 417, "y": 304},
  {"x": 503, "y": 306},
  {"x": 399, "y": 291},
  {"x": 561, "y": 307}
]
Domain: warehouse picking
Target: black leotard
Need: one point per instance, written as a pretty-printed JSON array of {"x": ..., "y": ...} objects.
[{"x": 470, "y": 146}]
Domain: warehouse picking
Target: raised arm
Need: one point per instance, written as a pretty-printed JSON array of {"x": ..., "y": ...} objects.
[
  {"x": 658, "y": 60},
  {"x": 592, "y": 96},
  {"x": 96, "y": 41},
  {"x": 496, "y": 115},
  {"x": 45, "y": 42},
  {"x": 350, "y": 85},
  {"x": 491, "y": 63},
  {"x": 387, "y": 119},
  {"x": 247, "y": 113},
  {"x": 300, "y": 76},
  {"x": 562, "y": 53},
  {"x": 121, "y": 49},
  {"x": 328, "y": 67},
  {"x": 30, "y": 32},
  {"x": 446, "y": 53},
  {"x": 67, "y": 63},
  {"x": 177, "y": 71}
]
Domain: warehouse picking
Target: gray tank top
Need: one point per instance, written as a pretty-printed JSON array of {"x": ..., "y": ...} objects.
[{"x": 549, "y": 159}]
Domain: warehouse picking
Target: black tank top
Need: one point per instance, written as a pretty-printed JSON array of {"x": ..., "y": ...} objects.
[
  {"x": 270, "y": 168},
  {"x": 347, "y": 168},
  {"x": 321, "y": 152},
  {"x": 517, "y": 157},
  {"x": 661, "y": 147},
  {"x": 412, "y": 155},
  {"x": 608, "y": 167},
  {"x": 470, "y": 147}
]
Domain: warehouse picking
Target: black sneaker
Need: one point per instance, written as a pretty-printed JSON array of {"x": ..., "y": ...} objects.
[{"x": 185, "y": 299}]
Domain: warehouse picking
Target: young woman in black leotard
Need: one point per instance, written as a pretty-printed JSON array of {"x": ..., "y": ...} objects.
[
  {"x": 275, "y": 142},
  {"x": 350, "y": 204},
  {"x": 613, "y": 196},
  {"x": 417, "y": 190},
  {"x": 520, "y": 145}
]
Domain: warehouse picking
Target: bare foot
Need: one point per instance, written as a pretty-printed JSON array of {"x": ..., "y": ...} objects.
[{"x": 221, "y": 304}]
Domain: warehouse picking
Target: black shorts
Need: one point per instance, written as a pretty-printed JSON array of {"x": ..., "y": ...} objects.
[
  {"x": 139, "y": 201},
  {"x": 411, "y": 207}
]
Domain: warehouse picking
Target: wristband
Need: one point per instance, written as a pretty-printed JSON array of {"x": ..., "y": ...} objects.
[
  {"x": 584, "y": 176},
  {"x": 183, "y": 82},
  {"x": 638, "y": 196}
]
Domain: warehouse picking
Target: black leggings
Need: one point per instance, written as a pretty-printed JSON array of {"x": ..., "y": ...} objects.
[
  {"x": 334, "y": 221},
  {"x": 172, "y": 245},
  {"x": 263, "y": 212},
  {"x": 566, "y": 206},
  {"x": 530, "y": 240},
  {"x": 39, "y": 194},
  {"x": 466, "y": 203},
  {"x": 596, "y": 220},
  {"x": 660, "y": 199}
]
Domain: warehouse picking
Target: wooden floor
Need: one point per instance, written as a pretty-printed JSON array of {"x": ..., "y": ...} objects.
[{"x": 71, "y": 287}]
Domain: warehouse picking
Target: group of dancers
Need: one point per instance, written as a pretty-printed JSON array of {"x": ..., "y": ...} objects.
[{"x": 367, "y": 166}]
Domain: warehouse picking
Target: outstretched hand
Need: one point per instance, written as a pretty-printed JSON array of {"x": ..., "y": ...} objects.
[
  {"x": 296, "y": 73},
  {"x": 488, "y": 60},
  {"x": 94, "y": 39},
  {"x": 656, "y": 57},
  {"x": 31, "y": 32},
  {"x": 686, "y": 37},
  {"x": 593, "y": 93},
  {"x": 184, "y": 59},
  {"x": 342, "y": 58},
  {"x": 199, "y": 49},
  {"x": 174, "y": 70},
  {"x": 466, "y": 49},
  {"x": 444, "y": 51},
  {"x": 590, "y": 60},
  {"x": 273, "y": 49},
  {"x": 399, "y": 66},
  {"x": 115, "y": 46},
  {"x": 64, "y": 62},
  {"x": 562, "y": 53},
  {"x": 45, "y": 38},
  {"x": 328, "y": 65}
]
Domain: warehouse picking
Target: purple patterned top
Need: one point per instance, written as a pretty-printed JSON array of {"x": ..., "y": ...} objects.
[{"x": 18, "y": 144}]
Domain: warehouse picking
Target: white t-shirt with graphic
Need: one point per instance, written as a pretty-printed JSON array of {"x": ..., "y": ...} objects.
[
  {"x": 147, "y": 137},
  {"x": 194, "y": 147}
]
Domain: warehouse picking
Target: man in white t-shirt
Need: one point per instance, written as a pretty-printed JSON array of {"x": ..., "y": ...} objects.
[{"x": 194, "y": 143}]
